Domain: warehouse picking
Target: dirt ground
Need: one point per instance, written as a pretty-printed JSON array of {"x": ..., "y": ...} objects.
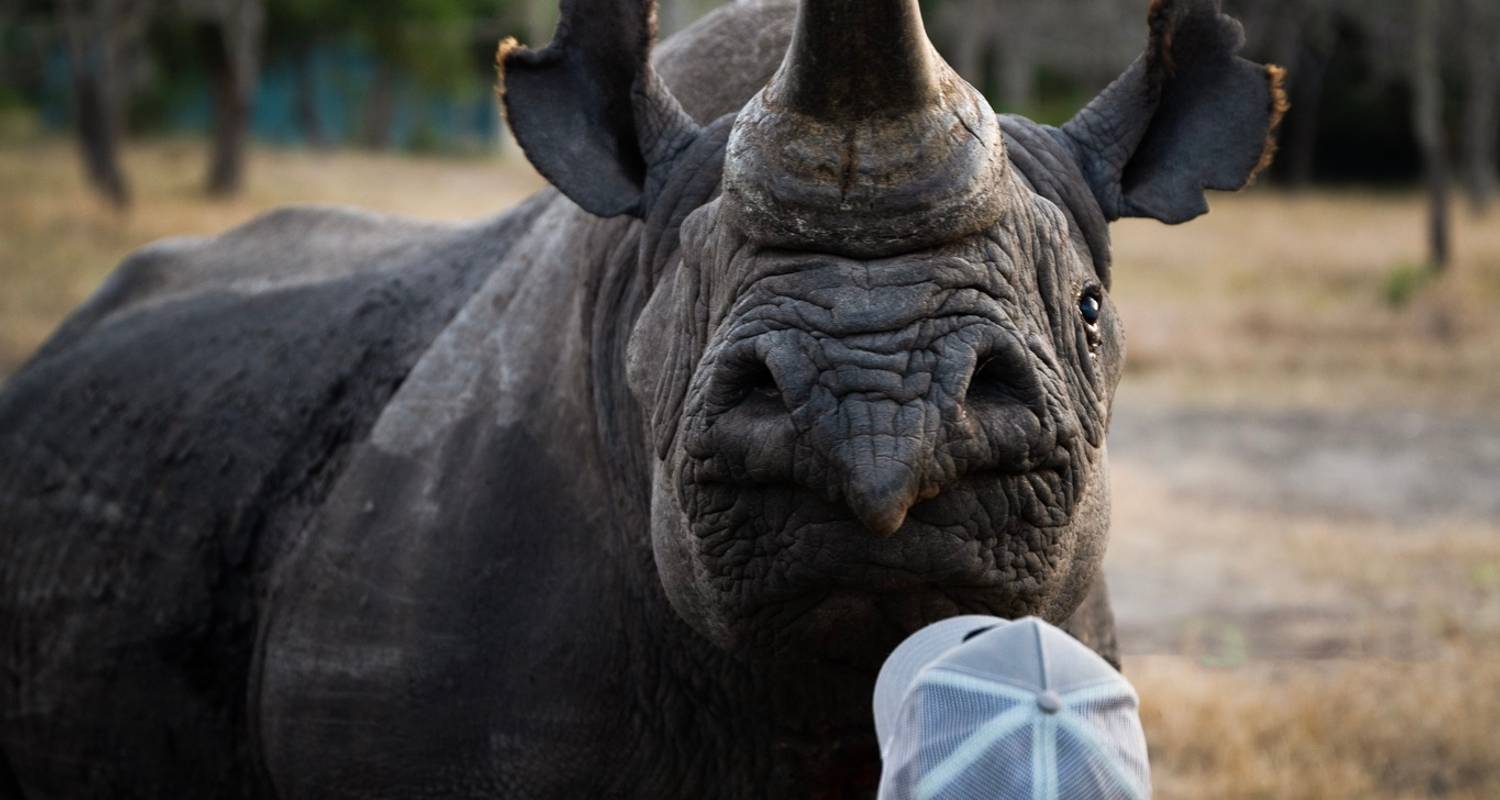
[
  {"x": 1306, "y": 454},
  {"x": 1310, "y": 600}
]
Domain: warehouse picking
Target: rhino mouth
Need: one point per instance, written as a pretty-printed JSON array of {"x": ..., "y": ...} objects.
[{"x": 791, "y": 569}]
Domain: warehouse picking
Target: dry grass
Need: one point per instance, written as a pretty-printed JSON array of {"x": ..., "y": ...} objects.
[
  {"x": 1283, "y": 299},
  {"x": 1333, "y": 729},
  {"x": 1246, "y": 701},
  {"x": 58, "y": 241},
  {"x": 1279, "y": 654}
]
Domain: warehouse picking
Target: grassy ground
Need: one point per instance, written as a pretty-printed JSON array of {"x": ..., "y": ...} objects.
[
  {"x": 1314, "y": 298},
  {"x": 1307, "y": 540},
  {"x": 1306, "y": 654}
]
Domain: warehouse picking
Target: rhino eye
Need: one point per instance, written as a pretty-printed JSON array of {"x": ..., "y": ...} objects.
[{"x": 1091, "y": 304}]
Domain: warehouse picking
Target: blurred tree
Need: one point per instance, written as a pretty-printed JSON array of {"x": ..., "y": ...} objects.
[
  {"x": 1303, "y": 36},
  {"x": 100, "y": 36},
  {"x": 295, "y": 28},
  {"x": 1479, "y": 25},
  {"x": 1003, "y": 47},
  {"x": 396, "y": 64},
  {"x": 975, "y": 32},
  {"x": 25, "y": 39},
  {"x": 423, "y": 40},
  {"x": 1427, "y": 121},
  {"x": 231, "y": 31}
]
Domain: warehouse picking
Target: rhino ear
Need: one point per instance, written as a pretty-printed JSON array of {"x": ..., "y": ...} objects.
[
  {"x": 588, "y": 110},
  {"x": 1188, "y": 115}
]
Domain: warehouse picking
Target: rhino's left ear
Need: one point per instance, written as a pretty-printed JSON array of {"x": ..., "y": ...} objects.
[
  {"x": 589, "y": 112},
  {"x": 1188, "y": 115}
]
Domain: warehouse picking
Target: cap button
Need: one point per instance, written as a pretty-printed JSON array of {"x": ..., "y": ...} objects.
[{"x": 1049, "y": 702}]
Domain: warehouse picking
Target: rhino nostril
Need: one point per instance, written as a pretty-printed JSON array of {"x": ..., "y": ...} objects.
[
  {"x": 999, "y": 379},
  {"x": 756, "y": 388}
]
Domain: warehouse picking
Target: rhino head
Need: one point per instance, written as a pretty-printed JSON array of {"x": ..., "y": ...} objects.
[{"x": 876, "y": 352}]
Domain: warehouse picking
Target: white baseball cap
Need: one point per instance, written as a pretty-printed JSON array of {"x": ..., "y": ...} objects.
[{"x": 977, "y": 707}]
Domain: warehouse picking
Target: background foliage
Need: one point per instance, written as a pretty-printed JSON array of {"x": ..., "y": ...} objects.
[{"x": 397, "y": 73}]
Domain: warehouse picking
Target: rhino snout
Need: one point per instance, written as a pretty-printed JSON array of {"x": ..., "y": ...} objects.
[{"x": 879, "y": 432}]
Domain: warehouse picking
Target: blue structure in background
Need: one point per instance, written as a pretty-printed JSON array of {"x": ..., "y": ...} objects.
[{"x": 340, "y": 82}]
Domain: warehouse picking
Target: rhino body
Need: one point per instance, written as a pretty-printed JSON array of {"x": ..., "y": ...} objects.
[{"x": 342, "y": 505}]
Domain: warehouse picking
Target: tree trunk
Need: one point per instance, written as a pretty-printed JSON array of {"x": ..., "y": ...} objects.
[
  {"x": 98, "y": 137},
  {"x": 91, "y": 29},
  {"x": 1305, "y": 42},
  {"x": 1481, "y": 117},
  {"x": 1427, "y": 122},
  {"x": 308, "y": 117},
  {"x": 234, "y": 40},
  {"x": 226, "y": 165},
  {"x": 968, "y": 40},
  {"x": 1016, "y": 75},
  {"x": 380, "y": 108}
]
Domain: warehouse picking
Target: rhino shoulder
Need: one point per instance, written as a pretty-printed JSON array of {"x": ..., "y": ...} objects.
[{"x": 249, "y": 361}]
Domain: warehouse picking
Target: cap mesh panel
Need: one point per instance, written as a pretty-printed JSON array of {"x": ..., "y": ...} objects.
[{"x": 959, "y": 736}]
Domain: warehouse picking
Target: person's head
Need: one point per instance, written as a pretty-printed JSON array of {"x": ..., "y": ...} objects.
[{"x": 977, "y": 708}]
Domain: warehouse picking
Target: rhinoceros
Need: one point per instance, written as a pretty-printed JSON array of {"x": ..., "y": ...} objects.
[{"x": 627, "y": 491}]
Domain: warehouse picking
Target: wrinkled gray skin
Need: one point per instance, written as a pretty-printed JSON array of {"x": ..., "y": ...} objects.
[
  {"x": 830, "y": 385},
  {"x": 552, "y": 505}
]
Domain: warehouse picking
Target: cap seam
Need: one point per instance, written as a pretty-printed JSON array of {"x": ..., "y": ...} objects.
[{"x": 1041, "y": 655}]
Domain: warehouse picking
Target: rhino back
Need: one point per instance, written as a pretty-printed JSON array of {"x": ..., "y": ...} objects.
[
  {"x": 288, "y": 247},
  {"x": 165, "y": 447}
]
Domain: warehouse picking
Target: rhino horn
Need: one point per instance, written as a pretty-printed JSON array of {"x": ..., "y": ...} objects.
[
  {"x": 856, "y": 58},
  {"x": 865, "y": 142}
]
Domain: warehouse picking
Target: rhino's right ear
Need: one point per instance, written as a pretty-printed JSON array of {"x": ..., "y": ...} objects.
[
  {"x": 1188, "y": 115},
  {"x": 588, "y": 110}
]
